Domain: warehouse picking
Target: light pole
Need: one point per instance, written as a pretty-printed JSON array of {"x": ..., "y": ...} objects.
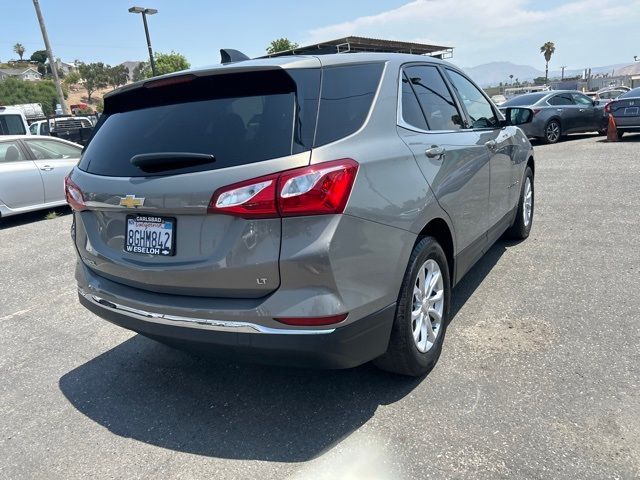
[{"x": 145, "y": 12}]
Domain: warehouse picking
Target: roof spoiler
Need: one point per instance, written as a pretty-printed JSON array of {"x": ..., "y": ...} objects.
[{"x": 229, "y": 55}]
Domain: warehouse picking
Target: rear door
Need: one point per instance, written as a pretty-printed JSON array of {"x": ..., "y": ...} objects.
[
  {"x": 20, "y": 181},
  {"x": 451, "y": 156},
  {"x": 250, "y": 124},
  {"x": 567, "y": 110},
  {"x": 588, "y": 121},
  {"x": 55, "y": 159}
]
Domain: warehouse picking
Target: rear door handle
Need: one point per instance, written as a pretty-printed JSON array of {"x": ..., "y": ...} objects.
[
  {"x": 46, "y": 168},
  {"x": 435, "y": 152},
  {"x": 491, "y": 144},
  {"x": 559, "y": 109},
  {"x": 583, "y": 110}
]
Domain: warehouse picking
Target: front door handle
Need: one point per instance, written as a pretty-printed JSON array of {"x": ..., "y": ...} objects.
[
  {"x": 435, "y": 152},
  {"x": 46, "y": 168},
  {"x": 559, "y": 109},
  {"x": 583, "y": 110},
  {"x": 491, "y": 145}
]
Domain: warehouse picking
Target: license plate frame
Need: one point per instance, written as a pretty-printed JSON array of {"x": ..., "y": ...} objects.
[{"x": 154, "y": 224}]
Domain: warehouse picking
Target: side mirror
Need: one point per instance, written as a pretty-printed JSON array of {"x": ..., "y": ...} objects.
[{"x": 518, "y": 115}]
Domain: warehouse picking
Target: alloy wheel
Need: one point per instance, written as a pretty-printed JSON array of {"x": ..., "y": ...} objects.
[
  {"x": 527, "y": 203},
  {"x": 553, "y": 132},
  {"x": 427, "y": 306}
]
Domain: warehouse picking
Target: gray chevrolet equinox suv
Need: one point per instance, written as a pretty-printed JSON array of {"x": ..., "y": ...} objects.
[{"x": 298, "y": 210}]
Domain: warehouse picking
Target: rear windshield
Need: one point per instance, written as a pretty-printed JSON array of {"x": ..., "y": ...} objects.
[
  {"x": 11, "y": 125},
  {"x": 631, "y": 93},
  {"x": 523, "y": 100},
  {"x": 238, "y": 118}
]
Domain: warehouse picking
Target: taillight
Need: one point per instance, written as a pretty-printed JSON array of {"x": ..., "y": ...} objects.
[
  {"x": 318, "y": 189},
  {"x": 75, "y": 197},
  {"x": 312, "y": 321}
]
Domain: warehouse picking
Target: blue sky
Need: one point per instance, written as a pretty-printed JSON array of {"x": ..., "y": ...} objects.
[{"x": 586, "y": 32}]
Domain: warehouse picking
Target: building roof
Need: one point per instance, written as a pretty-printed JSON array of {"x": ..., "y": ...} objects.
[
  {"x": 16, "y": 72},
  {"x": 363, "y": 44}
]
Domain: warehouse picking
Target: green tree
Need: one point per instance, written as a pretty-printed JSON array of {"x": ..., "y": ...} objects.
[
  {"x": 138, "y": 72},
  {"x": 547, "y": 50},
  {"x": 71, "y": 79},
  {"x": 94, "y": 76},
  {"x": 19, "y": 49},
  {"x": 39, "y": 56},
  {"x": 118, "y": 75},
  {"x": 165, "y": 63},
  {"x": 14, "y": 90},
  {"x": 281, "y": 45}
]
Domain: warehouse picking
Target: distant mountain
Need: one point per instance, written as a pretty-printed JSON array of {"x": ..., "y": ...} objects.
[{"x": 490, "y": 74}]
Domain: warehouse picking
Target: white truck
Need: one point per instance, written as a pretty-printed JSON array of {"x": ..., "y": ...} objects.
[{"x": 13, "y": 121}]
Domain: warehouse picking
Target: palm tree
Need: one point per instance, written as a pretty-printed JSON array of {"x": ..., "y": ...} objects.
[
  {"x": 19, "y": 49},
  {"x": 547, "y": 50},
  {"x": 511, "y": 77}
]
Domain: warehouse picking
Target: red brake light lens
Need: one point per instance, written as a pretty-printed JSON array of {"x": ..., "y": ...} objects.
[
  {"x": 165, "y": 82},
  {"x": 318, "y": 189},
  {"x": 75, "y": 197}
]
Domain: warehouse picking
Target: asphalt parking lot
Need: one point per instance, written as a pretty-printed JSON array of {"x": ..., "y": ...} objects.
[{"x": 539, "y": 377}]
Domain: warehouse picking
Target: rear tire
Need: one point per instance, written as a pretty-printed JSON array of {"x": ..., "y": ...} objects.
[
  {"x": 410, "y": 353},
  {"x": 552, "y": 132},
  {"x": 524, "y": 216}
]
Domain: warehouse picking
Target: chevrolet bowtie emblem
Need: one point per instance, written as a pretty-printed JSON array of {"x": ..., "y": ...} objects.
[{"x": 131, "y": 201}]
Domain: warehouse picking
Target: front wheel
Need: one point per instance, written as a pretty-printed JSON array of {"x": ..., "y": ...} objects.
[
  {"x": 552, "y": 132},
  {"x": 524, "y": 216},
  {"x": 422, "y": 313}
]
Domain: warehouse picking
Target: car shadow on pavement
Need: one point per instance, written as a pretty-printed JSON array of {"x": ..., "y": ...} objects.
[
  {"x": 146, "y": 391},
  {"x": 32, "y": 217}
]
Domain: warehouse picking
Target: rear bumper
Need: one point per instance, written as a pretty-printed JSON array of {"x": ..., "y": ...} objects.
[{"x": 341, "y": 347}]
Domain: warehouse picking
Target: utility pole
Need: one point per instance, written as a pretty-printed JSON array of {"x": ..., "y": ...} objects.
[
  {"x": 52, "y": 62},
  {"x": 562, "y": 75}
]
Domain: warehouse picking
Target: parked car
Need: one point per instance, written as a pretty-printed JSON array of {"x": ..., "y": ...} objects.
[
  {"x": 298, "y": 210},
  {"x": 561, "y": 112},
  {"x": 32, "y": 172},
  {"x": 626, "y": 111},
  {"x": 499, "y": 99},
  {"x": 605, "y": 95},
  {"x": 13, "y": 122}
]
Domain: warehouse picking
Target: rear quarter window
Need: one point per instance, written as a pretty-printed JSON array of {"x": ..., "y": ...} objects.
[
  {"x": 345, "y": 100},
  {"x": 11, "y": 125}
]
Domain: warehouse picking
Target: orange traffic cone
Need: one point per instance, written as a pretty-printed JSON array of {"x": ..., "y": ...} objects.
[{"x": 612, "y": 130}]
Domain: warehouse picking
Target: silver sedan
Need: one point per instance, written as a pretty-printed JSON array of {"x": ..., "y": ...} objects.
[{"x": 32, "y": 172}]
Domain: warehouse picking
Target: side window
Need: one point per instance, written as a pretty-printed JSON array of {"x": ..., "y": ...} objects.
[
  {"x": 11, "y": 125},
  {"x": 345, "y": 100},
  {"x": 561, "y": 99},
  {"x": 411, "y": 111},
  {"x": 10, "y": 152},
  {"x": 50, "y": 149},
  {"x": 477, "y": 105},
  {"x": 435, "y": 99},
  {"x": 33, "y": 128},
  {"x": 582, "y": 100}
]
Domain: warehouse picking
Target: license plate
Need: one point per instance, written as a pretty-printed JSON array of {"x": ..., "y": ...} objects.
[
  {"x": 633, "y": 111},
  {"x": 148, "y": 235}
]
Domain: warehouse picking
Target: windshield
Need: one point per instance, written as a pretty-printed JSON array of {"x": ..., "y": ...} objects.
[{"x": 524, "y": 100}]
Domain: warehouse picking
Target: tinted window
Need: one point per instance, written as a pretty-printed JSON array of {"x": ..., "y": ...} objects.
[
  {"x": 477, "y": 105},
  {"x": 561, "y": 99},
  {"x": 50, "y": 149},
  {"x": 581, "y": 99},
  {"x": 11, "y": 125},
  {"x": 10, "y": 152},
  {"x": 635, "y": 93},
  {"x": 435, "y": 99},
  {"x": 239, "y": 118},
  {"x": 411, "y": 111},
  {"x": 347, "y": 94},
  {"x": 525, "y": 100}
]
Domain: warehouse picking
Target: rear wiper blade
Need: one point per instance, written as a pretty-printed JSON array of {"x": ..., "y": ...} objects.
[{"x": 159, "y": 161}]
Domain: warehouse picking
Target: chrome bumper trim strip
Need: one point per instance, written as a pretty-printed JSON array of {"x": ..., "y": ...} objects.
[{"x": 191, "y": 322}]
